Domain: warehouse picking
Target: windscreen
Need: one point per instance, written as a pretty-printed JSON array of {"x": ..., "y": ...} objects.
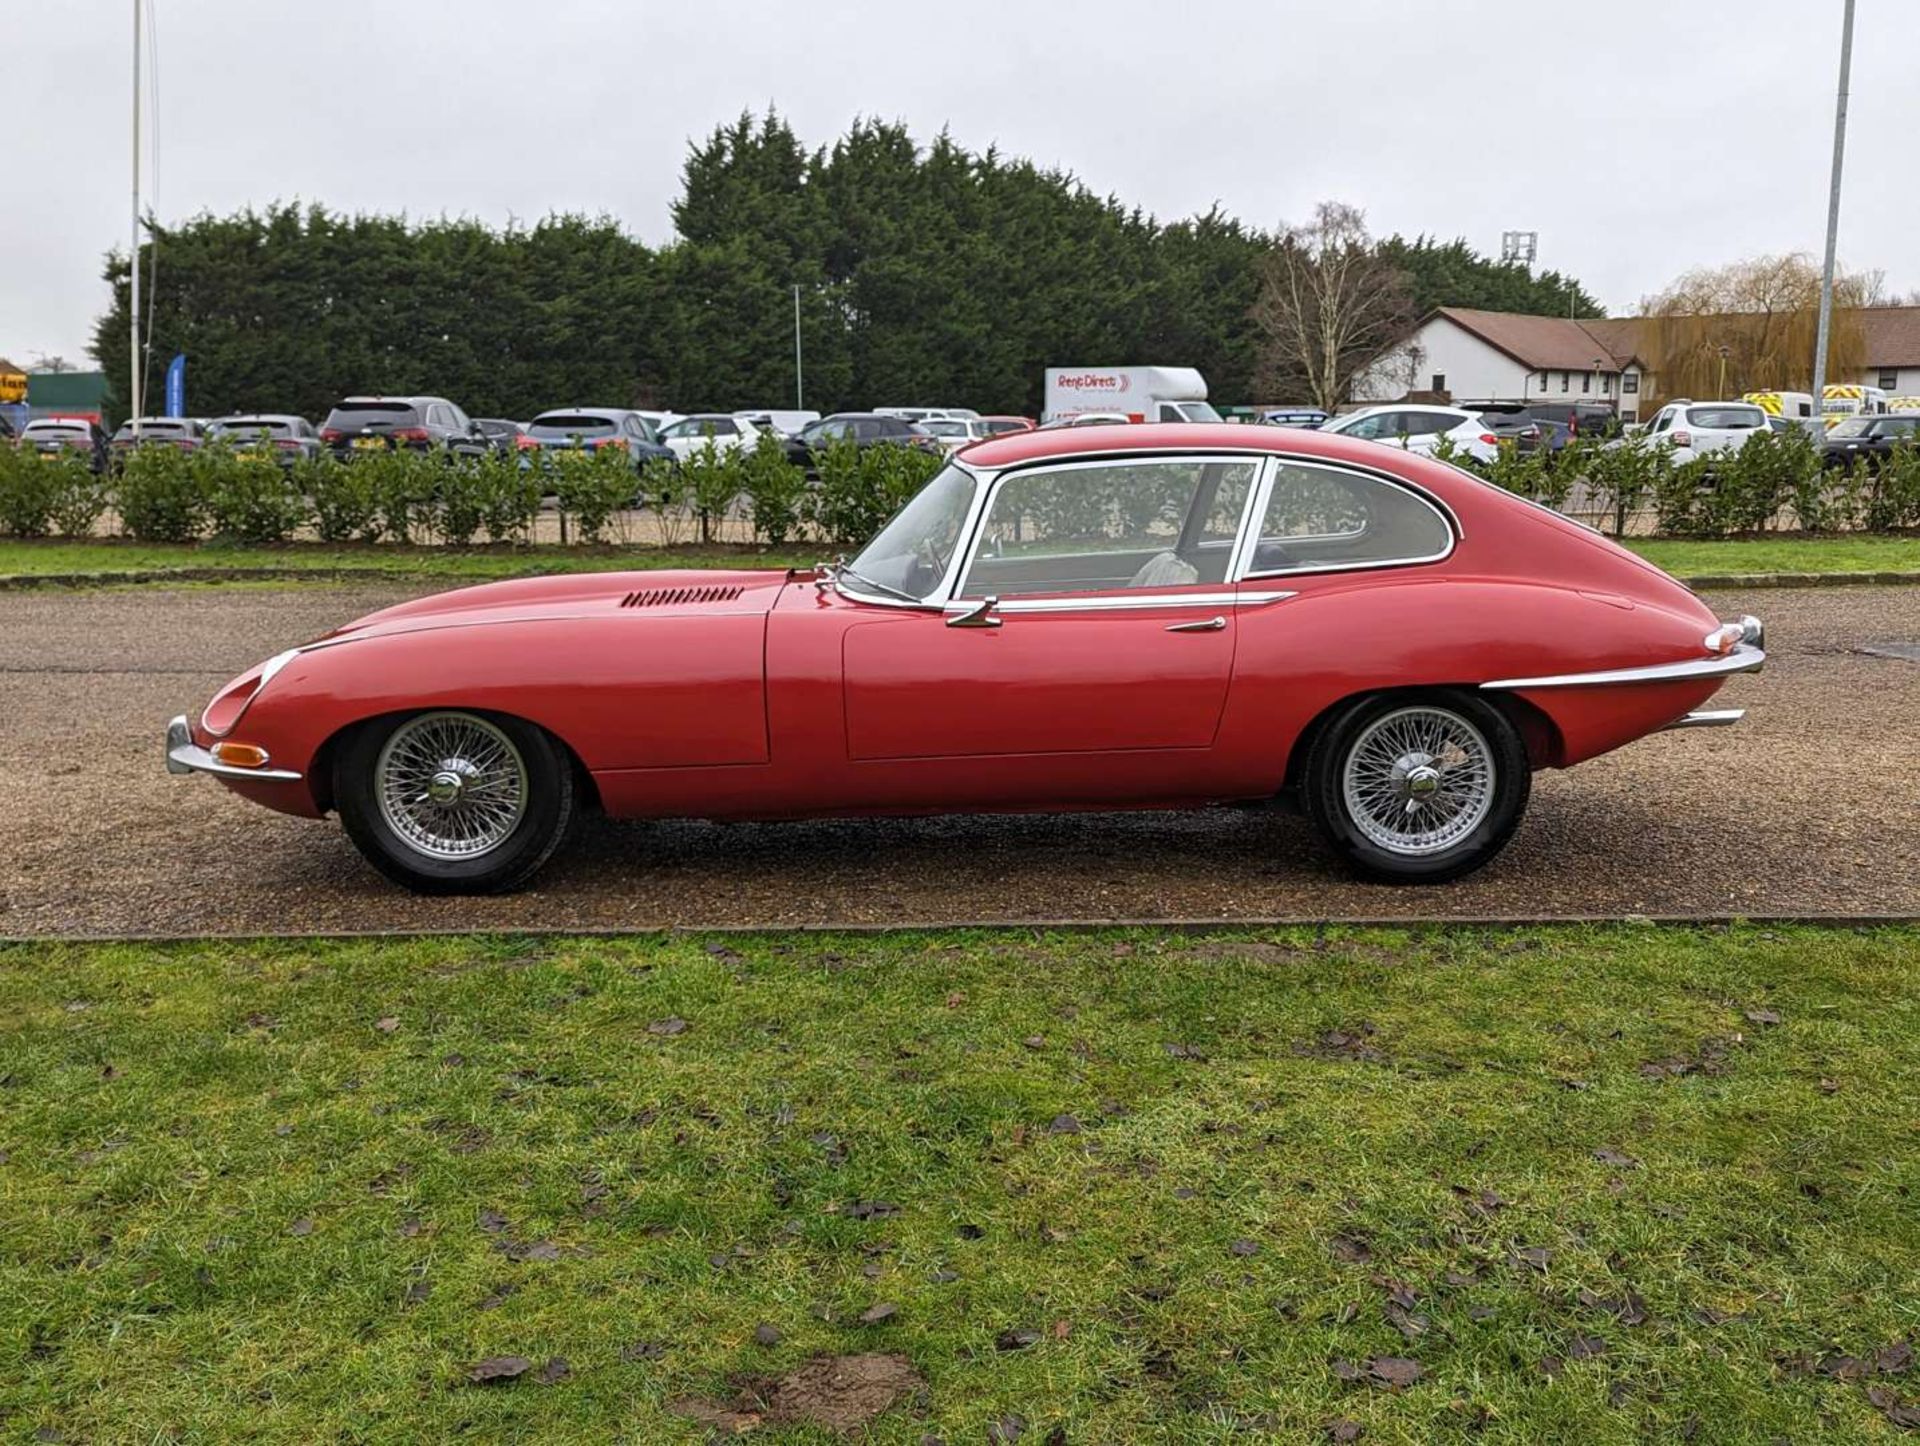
[
  {"x": 250, "y": 427},
  {"x": 153, "y": 427},
  {"x": 1197, "y": 411}
]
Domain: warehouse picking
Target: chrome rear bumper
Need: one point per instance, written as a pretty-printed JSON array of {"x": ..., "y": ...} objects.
[{"x": 186, "y": 756}]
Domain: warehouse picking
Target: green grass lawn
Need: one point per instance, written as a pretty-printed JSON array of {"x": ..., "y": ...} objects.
[
  {"x": 1782, "y": 554},
  {"x": 1588, "y": 1184},
  {"x": 57, "y": 557}
]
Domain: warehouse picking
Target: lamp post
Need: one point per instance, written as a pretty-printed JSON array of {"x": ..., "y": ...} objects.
[
  {"x": 799, "y": 398},
  {"x": 133, "y": 252},
  {"x": 1833, "y": 212},
  {"x": 1720, "y": 395}
]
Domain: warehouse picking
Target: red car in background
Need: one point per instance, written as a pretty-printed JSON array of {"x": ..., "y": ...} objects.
[{"x": 1171, "y": 616}]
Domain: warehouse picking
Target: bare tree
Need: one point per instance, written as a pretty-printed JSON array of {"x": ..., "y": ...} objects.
[{"x": 1329, "y": 306}]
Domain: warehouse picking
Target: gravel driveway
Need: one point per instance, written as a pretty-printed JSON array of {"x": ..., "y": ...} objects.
[{"x": 1811, "y": 806}]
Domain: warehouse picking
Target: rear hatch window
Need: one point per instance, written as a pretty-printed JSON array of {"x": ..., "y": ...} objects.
[
  {"x": 1726, "y": 419},
  {"x": 153, "y": 429},
  {"x": 381, "y": 416},
  {"x": 569, "y": 424},
  {"x": 54, "y": 430},
  {"x": 251, "y": 427}
]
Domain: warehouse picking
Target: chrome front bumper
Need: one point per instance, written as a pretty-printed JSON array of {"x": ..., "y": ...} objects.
[
  {"x": 186, "y": 756},
  {"x": 1707, "y": 718}
]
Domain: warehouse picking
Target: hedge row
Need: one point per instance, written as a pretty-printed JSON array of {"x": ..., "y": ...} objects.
[
  {"x": 1776, "y": 479},
  {"x": 247, "y": 495}
]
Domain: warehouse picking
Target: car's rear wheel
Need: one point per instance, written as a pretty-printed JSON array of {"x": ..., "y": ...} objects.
[
  {"x": 1418, "y": 789},
  {"x": 454, "y": 802}
]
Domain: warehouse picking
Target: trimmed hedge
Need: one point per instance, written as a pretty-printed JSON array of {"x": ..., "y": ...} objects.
[
  {"x": 243, "y": 494},
  {"x": 1774, "y": 480}
]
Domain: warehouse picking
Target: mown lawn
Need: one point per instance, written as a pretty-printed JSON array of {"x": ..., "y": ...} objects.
[
  {"x": 1746, "y": 556},
  {"x": 1579, "y": 1184},
  {"x": 43, "y": 558}
]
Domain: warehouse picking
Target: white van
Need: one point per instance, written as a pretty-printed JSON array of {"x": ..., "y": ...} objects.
[
  {"x": 1144, "y": 394},
  {"x": 1849, "y": 399},
  {"x": 1782, "y": 404}
]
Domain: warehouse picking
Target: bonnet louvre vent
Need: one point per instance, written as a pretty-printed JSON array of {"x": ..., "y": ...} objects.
[{"x": 660, "y": 597}]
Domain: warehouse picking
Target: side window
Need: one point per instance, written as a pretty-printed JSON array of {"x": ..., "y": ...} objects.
[
  {"x": 457, "y": 418},
  {"x": 1318, "y": 517},
  {"x": 1369, "y": 429},
  {"x": 1170, "y": 413},
  {"x": 1139, "y": 525}
]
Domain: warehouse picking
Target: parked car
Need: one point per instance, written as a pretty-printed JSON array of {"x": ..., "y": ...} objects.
[
  {"x": 728, "y": 433},
  {"x": 863, "y": 429},
  {"x": 1252, "y": 623},
  {"x": 659, "y": 421},
  {"x": 1510, "y": 424},
  {"x": 592, "y": 428},
  {"x": 1309, "y": 417},
  {"x": 1554, "y": 436},
  {"x": 362, "y": 424},
  {"x": 291, "y": 438},
  {"x": 502, "y": 432},
  {"x": 1868, "y": 439},
  {"x": 52, "y": 436},
  {"x": 185, "y": 433},
  {"x": 999, "y": 424},
  {"x": 953, "y": 433},
  {"x": 1415, "y": 428},
  {"x": 1581, "y": 419},
  {"x": 1088, "y": 419},
  {"x": 922, "y": 414},
  {"x": 1700, "y": 429},
  {"x": 786, "y": 422}
]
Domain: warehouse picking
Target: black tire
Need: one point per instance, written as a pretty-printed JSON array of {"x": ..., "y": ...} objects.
[
  {"x": 1325, "y": 798},
  {"x": 543, "y": 822}
]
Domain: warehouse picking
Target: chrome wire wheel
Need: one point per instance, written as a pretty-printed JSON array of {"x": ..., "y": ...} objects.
[
  {"x": 1418, "y": 780},
  {"x": 450, "y": 785}
]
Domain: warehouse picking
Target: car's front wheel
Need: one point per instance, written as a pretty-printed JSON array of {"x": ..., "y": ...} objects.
[
  {"x": 454, "y": 802},
  {"x": 1420, "y": 788}
]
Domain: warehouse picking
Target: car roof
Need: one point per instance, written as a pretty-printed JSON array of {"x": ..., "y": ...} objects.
[
  {"x": 1044, "y": 444},
  {"x": 410, "y": 401},
  {"x": 257, "y": 417},
  {"x": 574, "y": 412}
]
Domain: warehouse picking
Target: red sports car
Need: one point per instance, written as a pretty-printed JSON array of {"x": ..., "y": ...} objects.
[{"x": 1093, "y": 618}]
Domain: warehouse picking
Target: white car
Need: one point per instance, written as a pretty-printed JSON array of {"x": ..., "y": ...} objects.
[
  {"x": 728, "y": 433},
  {"x": 1088, "y": 419},
  {"x": 1420, "y": 428},
  {"x": 1695, "y": 429},
  {"x": 922, "y": 414},
  {"x": 953, "y": 433}
]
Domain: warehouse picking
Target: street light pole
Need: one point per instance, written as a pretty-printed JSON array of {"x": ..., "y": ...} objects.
[
  {"x": 799, "y": 396},
  {"x": 1833, "y": 212},
  {"x": 133, "y": 253}
]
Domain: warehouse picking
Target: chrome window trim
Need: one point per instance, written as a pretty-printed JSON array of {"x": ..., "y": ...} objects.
[
  {"x": 1745, "y": 658},
  {"x": 1448, "y": 521},
  {"x": 1134, "y": 602},
  {"x": 1075, "y": 461}
]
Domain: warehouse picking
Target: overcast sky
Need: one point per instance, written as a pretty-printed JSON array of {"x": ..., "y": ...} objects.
[{"x": 1638, "y": 137}]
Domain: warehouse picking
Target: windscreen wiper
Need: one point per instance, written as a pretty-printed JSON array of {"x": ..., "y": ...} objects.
[{"x": 840, "y": 570}]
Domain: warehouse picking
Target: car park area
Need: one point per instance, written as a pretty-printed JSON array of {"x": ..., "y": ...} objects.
[{"x": 1799, "y": 811}]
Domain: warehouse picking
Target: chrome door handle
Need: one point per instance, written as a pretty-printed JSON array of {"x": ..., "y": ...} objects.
[{"x": 1211, "y": 625}]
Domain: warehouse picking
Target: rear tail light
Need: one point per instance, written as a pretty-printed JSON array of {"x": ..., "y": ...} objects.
[
  {"x": 526, "y": 444},
  {"x": 1489, "y": 439},
  {"x": 331, "y": 434},
  {"x": 1682, "y": 439},
  {"x": 408, "y": 434},
  {"x": 286, "y": 442}
]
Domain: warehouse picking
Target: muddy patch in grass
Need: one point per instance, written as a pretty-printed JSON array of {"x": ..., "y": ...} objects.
[{"x": 838, "y": 1393}]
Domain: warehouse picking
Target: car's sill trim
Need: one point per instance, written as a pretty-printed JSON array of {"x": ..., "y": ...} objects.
[{"x": 1745, "y": 658}]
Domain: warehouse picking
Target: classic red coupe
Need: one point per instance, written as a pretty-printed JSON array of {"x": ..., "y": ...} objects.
[{"x": 1169, "y": 616}]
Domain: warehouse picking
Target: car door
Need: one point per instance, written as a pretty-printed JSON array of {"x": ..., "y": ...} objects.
[{"x": 1092, "y": 615}]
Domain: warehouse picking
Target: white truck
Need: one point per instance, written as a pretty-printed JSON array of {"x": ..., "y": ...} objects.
[{"x": 1144, "y": 394}]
